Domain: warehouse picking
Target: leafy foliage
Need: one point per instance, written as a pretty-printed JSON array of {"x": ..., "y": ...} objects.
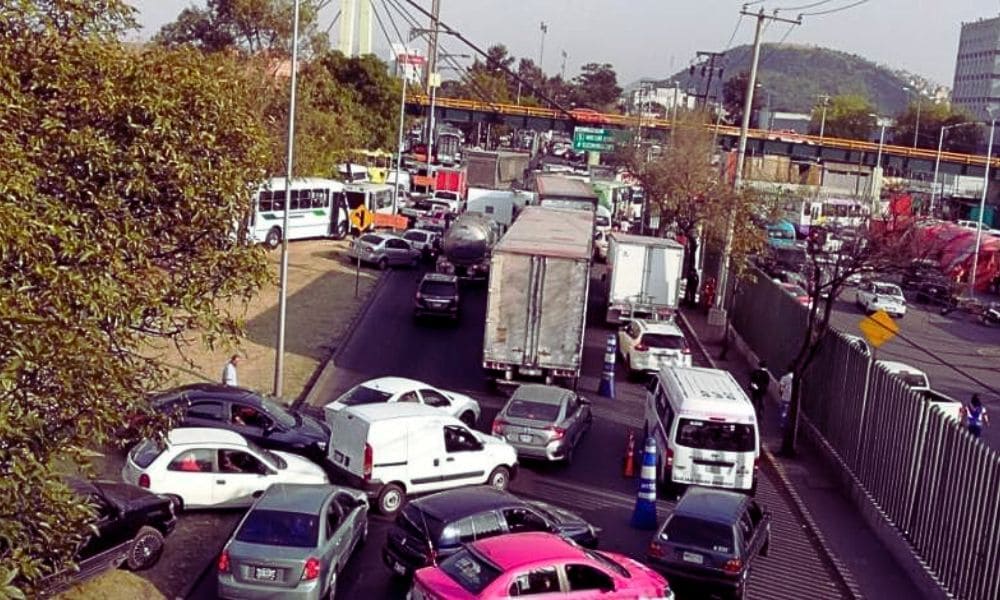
[
  {"x": 930, "y": 118},
  {"x": 124, "y": 176},
  {"x": 846, "y": 117}
]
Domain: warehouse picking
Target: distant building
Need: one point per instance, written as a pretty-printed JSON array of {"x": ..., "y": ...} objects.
[
  {"x": 660, "y": 100},
  {"x": 408, "y": 63},
  {"x": 977, "y": 70},
  {"x": 776, "y": 120}
]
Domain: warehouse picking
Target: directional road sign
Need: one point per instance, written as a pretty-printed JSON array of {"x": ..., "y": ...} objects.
[
  {"x": 878, "y": 328},
  {"x": 592, "y": 138}
]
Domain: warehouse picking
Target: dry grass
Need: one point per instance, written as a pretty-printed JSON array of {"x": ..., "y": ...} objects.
[{"x": 114, "y": 584}]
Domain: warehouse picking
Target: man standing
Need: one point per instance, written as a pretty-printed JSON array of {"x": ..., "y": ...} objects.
[
  {"x": 785, "y": 390},
  {"x": 975, "y": 416},
  {"x": 229, "y": 371},
  {"x": 760, "y": 380}
]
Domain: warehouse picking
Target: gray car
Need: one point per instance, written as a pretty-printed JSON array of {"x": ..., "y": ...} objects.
[
  {"x": 293, "y": 542},
  {"x": 544, "y": 421},
  {"x": 383, "y": 250}
]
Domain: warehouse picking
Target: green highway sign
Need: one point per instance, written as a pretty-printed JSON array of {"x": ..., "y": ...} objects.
[{"x": 592, "y": 138}]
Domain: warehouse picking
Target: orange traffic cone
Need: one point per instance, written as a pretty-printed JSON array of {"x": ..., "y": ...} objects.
[{"x": 630, "y": 455}]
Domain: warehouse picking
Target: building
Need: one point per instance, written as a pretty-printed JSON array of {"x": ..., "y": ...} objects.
[
  {"x": 977, "y": 68},
  {"x": 408, "y": 63},
  {"x": 660, "y": 101}
]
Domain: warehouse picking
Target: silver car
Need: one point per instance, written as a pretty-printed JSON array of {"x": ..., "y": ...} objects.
[
  {"x": 293, "y": 542},
  {"x": 544, "y": 421},
  {"x": 383, "y": 250}
]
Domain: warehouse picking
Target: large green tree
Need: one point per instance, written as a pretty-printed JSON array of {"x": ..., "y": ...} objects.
[
  {"x": 848, "y": 116},
  {"x": 596, "y": 87},
  {"x": 923, "y": 121},
  {"x": 125, "y": 173}
]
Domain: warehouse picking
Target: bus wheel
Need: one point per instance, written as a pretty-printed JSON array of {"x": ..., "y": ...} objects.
[
  {"x": 273, "y": 238},
  {"x": 341, "y": 231}
]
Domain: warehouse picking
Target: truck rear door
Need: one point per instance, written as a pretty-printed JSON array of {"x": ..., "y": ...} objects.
[
  {"x": 506, "y": 316},
  {"x": 348, "y": 436},
  {"x": 559, "y": 308}
]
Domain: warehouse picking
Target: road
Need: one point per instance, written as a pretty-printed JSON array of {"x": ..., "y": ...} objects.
[
  {"x": 937, "y": 345},
  {"x": 387, "y": 341}
]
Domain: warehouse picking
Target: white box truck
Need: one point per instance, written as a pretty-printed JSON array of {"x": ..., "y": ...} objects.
[
  {"x": 644, "y": 277},
  {"x": 537, "y": 300}
]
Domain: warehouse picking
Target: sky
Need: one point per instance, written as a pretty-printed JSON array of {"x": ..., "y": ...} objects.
[{"x": 656, "y": 38}]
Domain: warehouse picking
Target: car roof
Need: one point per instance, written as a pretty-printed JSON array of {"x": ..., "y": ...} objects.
[
  {"x": 544, "y": 394},
  {"x": 420, "y": 230},
  {"x": 886, "y": 283},
  {"x": 393, "y": 384},
  {"x": 187, "y": 436},
  {"x": 440, "y": 277},
  {"x": 295, "y": 497},
  {"x": 462, "y": 502},
  {"x": 216, "y": 390},
  {"x": 664, "y": 327},
  {"x": 516, "y": 550},
  {"x": 397, "y": 410},
  {"x": 718, "y": 506}
]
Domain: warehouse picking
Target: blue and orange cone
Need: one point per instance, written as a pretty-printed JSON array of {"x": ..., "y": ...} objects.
[{"x": 644, "y": 515}]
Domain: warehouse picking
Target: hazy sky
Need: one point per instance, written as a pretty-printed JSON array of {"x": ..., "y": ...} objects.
[{"x": 655, "y": 38}]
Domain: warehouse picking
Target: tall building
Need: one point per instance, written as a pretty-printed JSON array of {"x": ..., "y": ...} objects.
[{"x": 977, "y": 68}]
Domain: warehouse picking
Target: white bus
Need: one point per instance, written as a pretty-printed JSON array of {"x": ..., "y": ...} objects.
[
  {"x": 837, "y": 213},
  {"x": 317, "y": 209},
  {"x": 376, "y": 197}
]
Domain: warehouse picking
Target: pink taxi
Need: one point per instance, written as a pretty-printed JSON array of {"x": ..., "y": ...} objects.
[{"x": 523, "y": 564}]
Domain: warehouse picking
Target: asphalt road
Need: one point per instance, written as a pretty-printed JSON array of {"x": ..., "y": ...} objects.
[
  {"x": 388, "y": 342},
  {"x": 938, "y": 345}
]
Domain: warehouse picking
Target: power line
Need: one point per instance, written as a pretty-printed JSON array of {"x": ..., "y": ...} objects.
[
  {"x": 392, "y": 21},
  {"x": 834, "y": 10},
  {"x": 381, "y": 26},
  {"x": 803, "y": 6}
]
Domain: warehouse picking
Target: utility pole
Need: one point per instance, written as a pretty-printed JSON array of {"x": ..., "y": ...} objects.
[
  {"x": 717, "y": 316},
  {"x": 432, "y": 77},
  {"x": 541, "y": 49},
  {"x": 712, "y": 56},
  {"x": 824, "y": 99},
  {"x": 562, "y": 69}
]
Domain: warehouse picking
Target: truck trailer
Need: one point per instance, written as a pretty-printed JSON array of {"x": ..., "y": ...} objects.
[
  {"x": 644, "y": 277},
  {"x": 537, "y": 299}
]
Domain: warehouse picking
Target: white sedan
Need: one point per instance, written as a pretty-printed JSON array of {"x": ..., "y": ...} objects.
[
  {"x": 400, "y": 389},
  {"x": 873, "y": 296},
  {"x": 204, "y": 467}
]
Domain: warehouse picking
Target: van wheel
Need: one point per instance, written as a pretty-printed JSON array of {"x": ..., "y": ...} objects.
[
  {"x": 273, "y": 238},
  {"x": 145, "y": 549},
  {"x": 391, "y": 499},
  {"x": 499, "y": 478},
  {"x": 469, "y": 419}
]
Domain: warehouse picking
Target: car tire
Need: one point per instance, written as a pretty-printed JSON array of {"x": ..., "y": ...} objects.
[
  {"x": 568, "y": 457},
  {"x": 741, "y": 590},
  {"x": 630, "y": 373},
  {"x": 469, "y": 419},
  {"x": 331, "y": 590},
  {"x": 390, "y": 499},
  {"x": 145, "y": 549},
  {"x": 273, "y": 238},
  {"x": 499, "y": 479},
  {"x": 178, "y": 502},
  {"x": 383, "y": 264}
]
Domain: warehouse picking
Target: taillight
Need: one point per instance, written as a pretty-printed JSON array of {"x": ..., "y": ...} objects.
[
  {"x": 558, "y": 433},
  {"x": 668, "y": 458},
  {"x": 640, "y": 347},
  {"x": 756, "y": 464},
  {"x": 733, "y": 566},
  {"x": 498, "y": 425},
  {"x": 223, "y": 563},
  {"x": 144, "y": 481},
  {"x": 685, "y": 350},
  {"x": 369, "y": 460},
  {"x": 656, "y": 550},
  {"x": 311, "y": 570}
]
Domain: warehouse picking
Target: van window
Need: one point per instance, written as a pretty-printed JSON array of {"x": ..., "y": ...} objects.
[
  {"x": 364, "y": 395},
  {"x": 459, "y": 439},
  {"x": 715, "y": 435},
  {"x": 689, "y": 531}
]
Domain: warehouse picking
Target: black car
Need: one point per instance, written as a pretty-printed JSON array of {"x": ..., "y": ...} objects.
[
  {"x": 436, "y": 526},
  {"x": 130, "y": 528},
  {"x": 437, "y": 295},
  {"x": 256, "y": 417},
  {"x": 710, "y": 540},
  {"x": 930, "y": 283}
]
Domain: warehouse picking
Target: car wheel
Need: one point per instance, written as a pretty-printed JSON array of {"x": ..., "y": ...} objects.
[
  {"x": 630, "y": 373},
  {"x": 568, "y": 458},
  {"x": 499, "y": 478},
  {"x": 145, "y": 549},
  {"x": 391, "y": 499},
  {"x": 364, "y": 534},
  {"x": 331, "y": 590},
  {"x": 178, "y": 502},
  {"x": 383, "y": 263},
  {"x": 741, "y": 590},
  {"x": 469, "y": 419},
  {"x": 273, "y": 238}
]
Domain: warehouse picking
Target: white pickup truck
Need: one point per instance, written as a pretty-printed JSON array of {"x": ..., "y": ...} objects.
[
  {"x": 873, "y": 296},
  {"x": 919, "y": 382}
]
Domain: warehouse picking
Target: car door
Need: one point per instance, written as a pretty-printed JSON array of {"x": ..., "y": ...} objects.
[
  {"x": 586, "y": 581},
  {"x": 573, "y": 420},
  {"x": 399, "y": 251},
  {"x": 192, "y": 477},
  {"x": 463, "y": 461},
  {"x": 760, "y": 521},
  {"x": 336, "y": 538},
  {"x": 250, "y": 422},
  {"x": 627, "y": 338},
  {"x": 538, "y": 583},
  {"x": 239, "y": 478},
  {"x": 436, "y": 399},
  {"x": 112, "y": 531}
]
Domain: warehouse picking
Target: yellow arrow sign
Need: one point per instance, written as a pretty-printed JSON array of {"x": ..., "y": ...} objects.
[
  {"x": 878, "y": 328},
  {"x": 361, "y": 218}
]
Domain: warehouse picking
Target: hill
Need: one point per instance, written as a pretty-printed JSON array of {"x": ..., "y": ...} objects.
[{"x": 794, "y": 75}]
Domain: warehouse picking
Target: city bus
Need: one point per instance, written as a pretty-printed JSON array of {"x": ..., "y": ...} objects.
[
  {"x": 376, "y": 197},
  {"x": 836, "y": 213},
  {"x": 317, "y": 209},
  {"x": 558, "y": 191}
]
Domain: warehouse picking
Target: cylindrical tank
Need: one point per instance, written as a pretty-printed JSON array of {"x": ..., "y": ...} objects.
[{"x": 470, "y": 239}]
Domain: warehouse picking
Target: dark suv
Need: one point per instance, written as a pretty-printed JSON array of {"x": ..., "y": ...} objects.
[
  {"x": 710, "y": 540},
  {"x": 437, "y": 295},
  {"x": 925, "y": 277},
  {"x": 436, "y": 526}
]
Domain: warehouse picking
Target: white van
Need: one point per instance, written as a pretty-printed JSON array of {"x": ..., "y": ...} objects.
[
  {"x": 399, "y": 449},
  {"x": 705, "y": 429}
]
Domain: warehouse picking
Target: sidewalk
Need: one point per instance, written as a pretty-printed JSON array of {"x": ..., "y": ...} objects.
[{"x": 840, "y": 528}]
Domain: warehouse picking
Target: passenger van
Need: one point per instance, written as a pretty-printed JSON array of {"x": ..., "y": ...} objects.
[
  {"x": 705, "y": 429},
  {"x": 394, "y": 450}
]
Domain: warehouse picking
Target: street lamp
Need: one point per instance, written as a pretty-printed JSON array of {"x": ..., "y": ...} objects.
[
  {"x": 916, "y": 126},
  {"x": 982, "y": 205},
  {"x": 881, "y": 122},
  {"x": 937, "y": 162},
  {"x": 822, "y": 120}
]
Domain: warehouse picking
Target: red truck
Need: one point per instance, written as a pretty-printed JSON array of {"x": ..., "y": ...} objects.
[{"x": 452, "y": 180}]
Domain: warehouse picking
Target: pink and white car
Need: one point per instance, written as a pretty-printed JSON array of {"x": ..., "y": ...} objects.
[{"x": 536, "y": 563}]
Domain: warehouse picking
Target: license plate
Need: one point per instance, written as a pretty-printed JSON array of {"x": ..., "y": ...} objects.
[
  {"x": 265, "y": 573},
  {"x": 398, "y": 568},
  {"x": 524, "y": 438},
  {"x": 530, "y": 371},
  {"x": 692, "y": 557}
]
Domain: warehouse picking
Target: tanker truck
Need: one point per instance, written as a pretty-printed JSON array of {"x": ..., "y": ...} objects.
[{"x": 467, "y": 245}]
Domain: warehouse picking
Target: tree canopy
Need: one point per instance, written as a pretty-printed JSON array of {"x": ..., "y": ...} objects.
[
  {"x": 848, "y": 116},
  {"x": 125, "y": 174}
]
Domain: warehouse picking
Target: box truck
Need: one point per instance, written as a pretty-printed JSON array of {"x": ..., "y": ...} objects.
[{"x": 644, "y": 277}]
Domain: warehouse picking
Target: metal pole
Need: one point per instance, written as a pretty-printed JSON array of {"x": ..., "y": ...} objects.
[
  {"x": 982, "y": 208},
  {"x": 431, "y": 76},
  {"x": 519, "y": 92},
  {"x": 916, "y": 128},
  {"x": 541, "y": 49},
  {"x": 937, "y": 166},
  {"x": 864, "y": 403},
  {"x": 822, "y": 120},
  {"x": 279, "y": 359},
  {"x": 399, "y": 147}
]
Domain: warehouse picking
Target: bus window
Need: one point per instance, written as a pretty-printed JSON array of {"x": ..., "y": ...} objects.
[
  {"x": 278, "y": 203},
  {"x": 265, "y": 202},
  {"x": 293, "y": 202},
  {"x": 383, "y": 199},
  {"x": 355, "y": 199}
]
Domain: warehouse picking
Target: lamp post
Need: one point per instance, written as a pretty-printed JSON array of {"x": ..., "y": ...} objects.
[
  {"x": 541, "y": 49},
  {"x": 822, "y": 120},
  {"x": 982, "y": 206},
  {"x": 881, "y": 122},
  {"x": 916, "y": 126},
  {"x": 937, "y": 163}
]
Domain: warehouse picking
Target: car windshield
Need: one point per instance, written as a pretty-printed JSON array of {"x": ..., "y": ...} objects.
[
  {"x": 438, "y": 288},
  {"x": 273, "y": 460},
  {"x": 146, "y": 452},
  {"x": 471, "y": 571},
  {"x": 887, "y": 289},
  {"x": 279, "y": 528},
  {"x": 361, "y": 394},
  {"x": 716, "y": 435},
  {"x": 664, "y": 340},
  {"x": 602, "y": 221},
  {"x": 278, "y": 412},
  {"x": 417, "y": 523},
  {"x": 689, "y": 531},
  {"x": 374, "y": 240},
  {"x": 538, "y": 411}
]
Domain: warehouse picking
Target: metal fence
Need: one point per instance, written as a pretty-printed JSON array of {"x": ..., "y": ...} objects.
[{"x": 939, "y": 486}]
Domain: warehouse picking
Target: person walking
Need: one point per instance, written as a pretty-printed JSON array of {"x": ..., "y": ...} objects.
[
  {"x": 785, "y": 392},
  {"x": 760, "y": 380},
  {"x": 229, "y": 371},
  {"x": 975, "y": 416}
]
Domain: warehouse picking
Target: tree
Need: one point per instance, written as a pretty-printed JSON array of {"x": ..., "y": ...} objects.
[
  {"x": 125, "y": 172},
  {"x": 596, "y": 86},
  {"x": 932, "y": 117},
  {"x": 734, "y": 92},
  {"x": 848, "y": 116}
]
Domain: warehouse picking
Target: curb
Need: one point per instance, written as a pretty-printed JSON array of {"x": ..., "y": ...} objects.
[{"x": 841, "y": 572}]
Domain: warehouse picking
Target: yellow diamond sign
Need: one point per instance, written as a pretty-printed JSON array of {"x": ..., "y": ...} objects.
[{"x": 878, "y": 328}]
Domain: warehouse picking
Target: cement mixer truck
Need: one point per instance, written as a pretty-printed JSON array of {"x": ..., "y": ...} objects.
[{"x": 467, "y": 246}]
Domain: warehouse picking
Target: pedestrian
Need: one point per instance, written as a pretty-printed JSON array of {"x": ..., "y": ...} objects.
[
  {"x": 785, "y": 392},
  {"x": 229, "y": 371},
  {"x": 975, "y": 416},
  {"x": 760, "y": 380},
  {"x": 691, "y": 290}
]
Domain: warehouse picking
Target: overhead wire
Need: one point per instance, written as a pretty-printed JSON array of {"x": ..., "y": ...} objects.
[
  {"x": 802, "y": 6},
  {"x": 833, "y": 10}
]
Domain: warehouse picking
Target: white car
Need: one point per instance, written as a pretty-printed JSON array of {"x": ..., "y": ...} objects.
[
  {"x": 421, "y": 239},
  {"x": 651, "y": 345},
  {"x": 204, "y": 467},
  {"x": 400, "y": 389},
  {"x": 873, "y": 296},
  {"x": 911, "y": 376}
]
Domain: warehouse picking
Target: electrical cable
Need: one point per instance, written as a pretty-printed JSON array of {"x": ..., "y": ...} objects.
[
  {"x": 732, "y": 37},
  {"x": 833, "y": 10},
  {"x": 333, "y": 22},
  {"x": 802, "y": 6},
  {"x": 378, "y": 18}
]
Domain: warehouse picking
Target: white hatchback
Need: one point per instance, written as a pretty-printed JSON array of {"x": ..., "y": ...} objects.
[
  {"x": 874, "y": 296},
  {"x": 652, "y": 345},
  {"x": 401, "y": 389},
  {"x": 203, "y": 467}
]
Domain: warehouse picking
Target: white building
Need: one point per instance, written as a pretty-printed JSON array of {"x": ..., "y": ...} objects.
[
  {"x": 977, "y": 68},
  {"x": 660, "y": 100},
  {"x": 407, "y": 62}
]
